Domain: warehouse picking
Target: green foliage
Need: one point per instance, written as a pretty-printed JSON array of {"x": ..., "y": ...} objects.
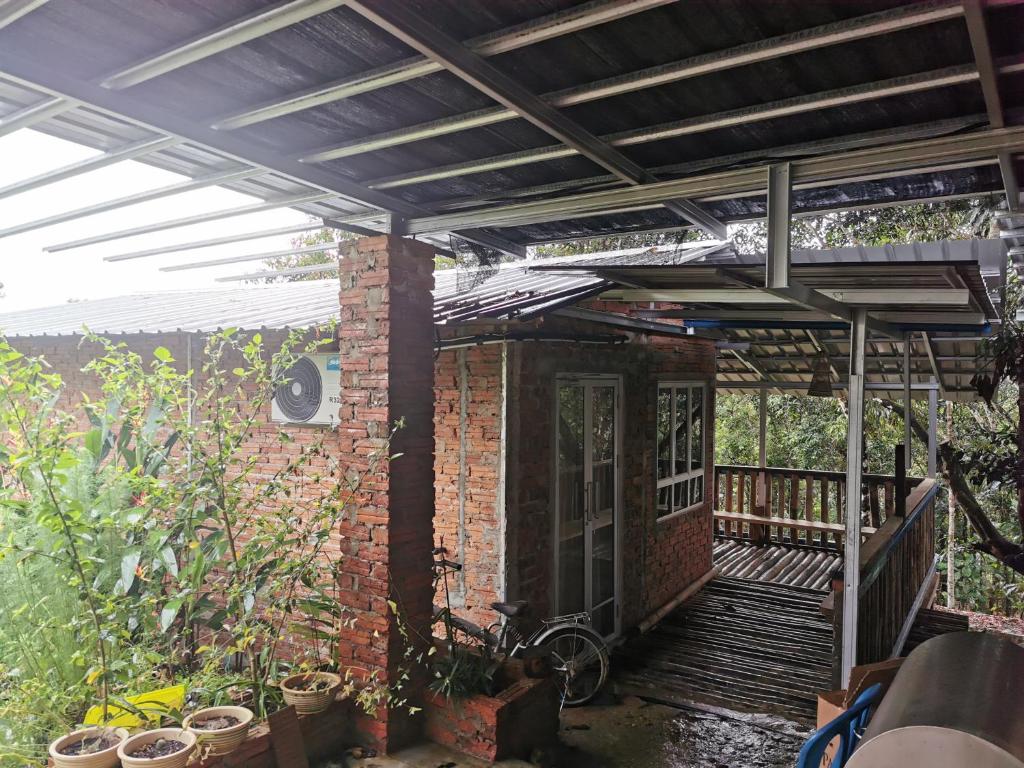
[
  {"x": 153, "y": 546},
  {"x": 328, "y": 256},
  {"x": 956, "y": 220}
]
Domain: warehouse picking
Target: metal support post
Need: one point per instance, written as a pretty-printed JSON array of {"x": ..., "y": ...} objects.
[
  {"x": 779, "y": 215},
  {"x": 854, "y": 456},
  {"x": 933, "y": 427},
  {"x": 908, "y": 433}
]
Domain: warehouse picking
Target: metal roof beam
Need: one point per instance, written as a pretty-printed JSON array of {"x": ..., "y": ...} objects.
[
  {"x": 196, "y": 244},
  {"x": 199, "y": 218},
  {"x": 803, "y": 149},
  {"x": 529, "y": 33},
  {"x": 980, "y": 145},
  {"x": 988, "y": 74},
  {"x": 308, "y": 269},
  {"x": 127, "y": 152},
  {"x": 39, "y": 112},
  {"x": 808, "y": 298},
  {"x": 181, "y": 187},
  {"x": 488, "y": 240},
  {"x": 743, "y": 116},
  {"x": 855, "y": 296},
  {"x": 234, "y": 33},
  {"x": 251, "y": 257},
  {"x": 12, "y": 10},
  {"x": 40, "y": 75},
  {"x": 933, "y": 360},
  {"x": 416, "y": 32},
  {"x": 44, "y": 77},
  {"x": 743, "y": 55}
]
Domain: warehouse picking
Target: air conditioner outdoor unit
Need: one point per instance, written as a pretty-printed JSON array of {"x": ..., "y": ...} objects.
[{"x": 311, "y": 392}]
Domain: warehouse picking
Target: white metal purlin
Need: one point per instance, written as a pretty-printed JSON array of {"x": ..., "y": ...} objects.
[
  {"x": 230, "y": 35},
  {"x": 872, "y": 25},
  {"x": 529, "y": 33}
]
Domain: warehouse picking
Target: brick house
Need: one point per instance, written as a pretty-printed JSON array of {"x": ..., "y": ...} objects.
[
  {"x": 546, "y": 431},
  {"x": 541, "y": 440}
]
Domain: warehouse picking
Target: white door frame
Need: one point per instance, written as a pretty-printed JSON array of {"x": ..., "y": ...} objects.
[{"x": 587, "y": 381}]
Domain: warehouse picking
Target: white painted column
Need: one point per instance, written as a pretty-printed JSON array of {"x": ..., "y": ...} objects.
[{"x": 854, "y": 457}]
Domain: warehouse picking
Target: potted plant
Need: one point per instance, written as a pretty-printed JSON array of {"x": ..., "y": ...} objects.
[
  {"x": 93, "y": 747},
  {"x": 219, "y": 730},
  {"x": 159, "y": 748},
  {"x": 310, "y": 692}
]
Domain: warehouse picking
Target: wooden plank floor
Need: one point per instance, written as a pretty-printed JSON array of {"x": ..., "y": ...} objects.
[
  {"x": 931, "y": 623},
  {"x": 746, "y": 645},
  {"x": 776, "y": 563}
]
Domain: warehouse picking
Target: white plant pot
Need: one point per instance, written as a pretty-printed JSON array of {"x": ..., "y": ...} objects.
[
  {"x": 105, "y": 759},
  {"x": 215, "y": 743},
  {"x": 176, "y": 760},
  {"x": 310, "y": 702}
]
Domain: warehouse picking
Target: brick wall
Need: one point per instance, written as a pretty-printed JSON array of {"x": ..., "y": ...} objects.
[
  {"x": 659, "y": 558},
  {"x": 467, "y": 430},
  {"x": 385, "y": 348}
]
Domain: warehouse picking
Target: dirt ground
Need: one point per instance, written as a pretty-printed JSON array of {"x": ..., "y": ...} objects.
[
  {"x": 636, "y": 734},
  {"x": 632, "y": 733}
]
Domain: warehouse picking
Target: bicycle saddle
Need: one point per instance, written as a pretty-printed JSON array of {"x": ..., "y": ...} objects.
[{"x": 511, "y": 610}]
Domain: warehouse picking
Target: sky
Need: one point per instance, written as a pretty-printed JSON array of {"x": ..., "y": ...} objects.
[{"x": 33, "y": 278}]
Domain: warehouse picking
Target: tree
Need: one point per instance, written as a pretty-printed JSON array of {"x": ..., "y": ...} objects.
[{"x": 328, "y": 256}]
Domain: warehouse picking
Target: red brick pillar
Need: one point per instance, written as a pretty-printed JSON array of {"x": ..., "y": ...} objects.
[{"x": 386, "y": 351}]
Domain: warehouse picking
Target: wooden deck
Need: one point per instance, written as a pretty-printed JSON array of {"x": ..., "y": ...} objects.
[
  {"x": 776, "y": 563},
  {"x": 741, "y": 644}
]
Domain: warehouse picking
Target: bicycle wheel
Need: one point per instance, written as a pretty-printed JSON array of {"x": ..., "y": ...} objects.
[{"x": 580, "y": 659}]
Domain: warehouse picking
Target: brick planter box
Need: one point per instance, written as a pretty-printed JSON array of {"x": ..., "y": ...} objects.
[
  {"x": 522, "y": 716},
  {"x": 325, "y": 734}
]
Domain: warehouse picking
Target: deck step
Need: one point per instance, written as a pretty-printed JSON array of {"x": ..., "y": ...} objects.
[{"x": 747, "y": 645}]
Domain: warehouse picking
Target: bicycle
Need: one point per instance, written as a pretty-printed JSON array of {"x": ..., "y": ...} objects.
[{"x": 579, "y": 655}]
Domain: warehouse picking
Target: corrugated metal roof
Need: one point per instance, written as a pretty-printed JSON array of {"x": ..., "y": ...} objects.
[
  {"x": 69, "y": 47},
  {"x": 512, "y": 291},
  {"x": 285, "y": 305}
]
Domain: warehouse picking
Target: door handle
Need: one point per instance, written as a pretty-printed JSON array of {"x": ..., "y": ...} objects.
[{"x": 588, "y": 509}]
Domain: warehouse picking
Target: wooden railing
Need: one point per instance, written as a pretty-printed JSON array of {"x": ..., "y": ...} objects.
[
  {"x": 897, "y": 574},
  {"x": 800, "y": 506}
]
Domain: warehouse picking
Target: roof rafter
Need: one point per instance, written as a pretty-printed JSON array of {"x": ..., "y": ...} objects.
[
  {"x": 980, "y": 145},
  {"x": 801, "y": 295},
  {"x": 988, "y": 74},
  {"x": 176, "y": 128},
  {"x": 414, "y": 31},
  {"x": 785, "y": 107},
  {"x": 12, "y": 10},
  {"x": 871, "y": 25},
  {"x": 528, "y": 33},
  {"x": 237, "y": 32}
]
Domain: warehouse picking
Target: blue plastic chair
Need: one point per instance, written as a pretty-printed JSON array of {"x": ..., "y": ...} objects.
[{"x": 848, "y": 727}]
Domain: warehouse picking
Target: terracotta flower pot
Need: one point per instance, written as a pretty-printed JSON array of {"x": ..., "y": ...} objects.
[
  {"x": 175, "y": 760},
  {"x": 309, "y": 702},
  {"x": 106, "y": 758},
  {"x": 220, "y": 741}
]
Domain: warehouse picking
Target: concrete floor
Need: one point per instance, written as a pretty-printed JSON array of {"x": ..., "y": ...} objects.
[{"x": 632, "y": 733}]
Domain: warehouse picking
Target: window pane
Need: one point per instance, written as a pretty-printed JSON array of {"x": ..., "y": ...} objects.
[
  {"x": 681, "y": 432},
  {"x": 664, "y": 433},
  {"x": 697, "y": 490},
  {"x": 570, "y": 499},
  {"x": 681, "y": 500},
  {"x": 697, "y": 428},
  {"x": 664, "y": 500}
]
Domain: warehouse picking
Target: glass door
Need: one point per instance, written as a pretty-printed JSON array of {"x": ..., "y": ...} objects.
[{"x": 586, "y": 503}]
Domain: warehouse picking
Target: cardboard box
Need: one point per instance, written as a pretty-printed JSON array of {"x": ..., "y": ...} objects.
[{"x": 834, "y": 703}]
